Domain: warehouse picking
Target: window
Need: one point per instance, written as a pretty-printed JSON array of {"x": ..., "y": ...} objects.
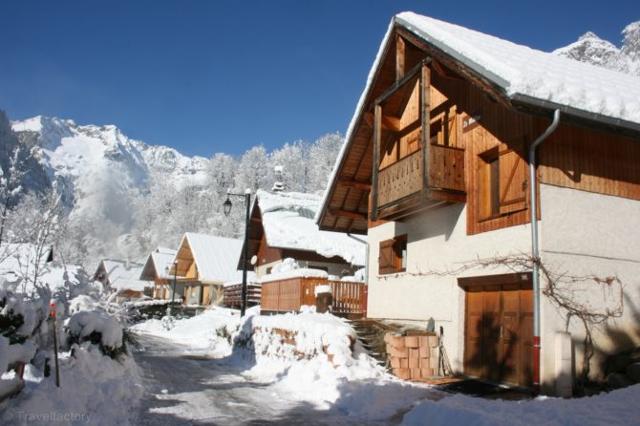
[
  {"x": 393, "y": 255},
  {"x": 502, "y": 183}
]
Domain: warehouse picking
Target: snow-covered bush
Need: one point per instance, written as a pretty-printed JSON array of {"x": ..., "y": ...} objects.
[{"x": 98, "y": 328}]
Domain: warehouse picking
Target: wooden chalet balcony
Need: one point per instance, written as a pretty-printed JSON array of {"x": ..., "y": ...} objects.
[
  {"x": 288, "y": 295},
  {"x": 417, "y": 161}
]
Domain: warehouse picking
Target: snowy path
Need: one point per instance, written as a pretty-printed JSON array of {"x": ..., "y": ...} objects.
[{"x": 185, "y": 389}]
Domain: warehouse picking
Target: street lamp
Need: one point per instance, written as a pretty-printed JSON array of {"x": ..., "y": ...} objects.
[{"x": 226, "y": 206}]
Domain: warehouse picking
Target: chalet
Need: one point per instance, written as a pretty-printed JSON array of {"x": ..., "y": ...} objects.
[
  {"x": 453, "y": 133},
  {"x": 122, "y": 278},
  {"x": 204, "y": 263},
  {"x": 282, "y": 227},
  {"x": 292, "y": 255},
  {"x": 156, "y": 269}
]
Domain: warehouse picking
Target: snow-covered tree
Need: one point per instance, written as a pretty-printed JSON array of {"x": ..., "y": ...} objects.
[{"x": 322, "y": 156}]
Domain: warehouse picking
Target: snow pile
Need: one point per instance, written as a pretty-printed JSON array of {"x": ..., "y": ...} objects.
[
  {"x": 83, "y": 324},
  {"x": 359, "y": 276},
  {"x": 95, "y": 389},
  {"x": 10, "y": 354},
  {"x": 319, "y": 289},
  {"x": 287, "y": 219},
  {"x": 207, "y": 333},
  {"x": 289, "y": 268},
  {"x": 615, "y": 408}
]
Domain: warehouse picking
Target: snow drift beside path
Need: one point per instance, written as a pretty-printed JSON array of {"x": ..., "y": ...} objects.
[
  {"x": 95, "y": 390},
  {"x": 619, "y": 407},
  {"x": 207, "y": 333}
]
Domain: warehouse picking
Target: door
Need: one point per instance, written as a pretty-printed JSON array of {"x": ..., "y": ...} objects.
[{"x": 499, "y": 328}]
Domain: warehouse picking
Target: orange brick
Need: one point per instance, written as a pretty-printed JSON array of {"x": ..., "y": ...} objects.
[
  {"x": 414, "y": 362},
  {"x": 395, "y": 362},
  {"x": 423, "y": 341},
  {"x": 397, "y": 341},
  {"x": 399, "y": 352},
  {"x": 435, "y": 352},
  {"x": 411, "y": 341},
  {"x": 414, "y": 353},
  {"x": 433, "y": 341},
  {"x": 415, "y": 373},
  {"x": 404, "y": 362},
  {"x": 402, "y": 373},
  {"x": 424, "y": 362},
  {"x": 424, "y": 352}
]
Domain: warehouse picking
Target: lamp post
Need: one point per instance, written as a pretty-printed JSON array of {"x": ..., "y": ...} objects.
[{"x": 245, "y": 252}]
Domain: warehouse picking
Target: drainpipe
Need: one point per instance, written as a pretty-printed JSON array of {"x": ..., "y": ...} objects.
[{"x": 535, "y": 249}]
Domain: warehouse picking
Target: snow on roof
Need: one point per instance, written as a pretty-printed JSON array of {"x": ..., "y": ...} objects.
[
  {"x": 521, "y": 70},
  {"x": 162, "y": 259},
  {"x": 287, "y": 219},
  {"x": 123, "y": 275},
  {"x": 215, "y": 257}
]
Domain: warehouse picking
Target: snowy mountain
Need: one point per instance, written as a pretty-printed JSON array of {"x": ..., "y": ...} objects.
[
  {"x": 97, "y": 167},
  {"x": 592, "y": 49}
]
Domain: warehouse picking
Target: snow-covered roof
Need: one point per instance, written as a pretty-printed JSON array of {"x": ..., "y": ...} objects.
[
  {"x": 216, "y": 257},
  {"x": 287, "y": 219},
  {"x": 252, "y": 278},
  {"x": 161, "y": 260},
  {"x": 521, "y": 70},
  {"x": 123, "y": 275}
]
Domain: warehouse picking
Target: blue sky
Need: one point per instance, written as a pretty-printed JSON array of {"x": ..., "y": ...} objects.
[{"x": 211, "y": 76}]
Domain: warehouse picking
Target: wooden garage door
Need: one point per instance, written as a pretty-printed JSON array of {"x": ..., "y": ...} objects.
[{"x": 499, "y": 328}]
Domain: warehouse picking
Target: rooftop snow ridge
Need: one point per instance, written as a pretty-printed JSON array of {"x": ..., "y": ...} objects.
[{"x": 522, "y": 71}]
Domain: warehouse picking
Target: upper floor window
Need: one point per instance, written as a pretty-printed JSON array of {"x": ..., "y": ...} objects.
[{"x": 502, "y": 183}]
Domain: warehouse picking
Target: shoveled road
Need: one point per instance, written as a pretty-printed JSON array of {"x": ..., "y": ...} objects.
[{"x": 181, "y": 389}]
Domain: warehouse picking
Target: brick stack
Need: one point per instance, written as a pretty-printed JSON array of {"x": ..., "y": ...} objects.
[{"x": 413, "y": 357}]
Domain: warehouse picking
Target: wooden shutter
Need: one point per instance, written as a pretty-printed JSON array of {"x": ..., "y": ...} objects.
[
  {"x": 385, "y": 257},
  {"x": 513, "y": 182}
]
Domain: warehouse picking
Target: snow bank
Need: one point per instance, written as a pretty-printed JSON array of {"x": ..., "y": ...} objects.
[
  {"x": 82, "y": 324},
  {"x": 615, "y": 408},
  {"x": 208, "y": 332},
  {"x": 94, "y": 390},
  {"x": 289, "y": 268}
]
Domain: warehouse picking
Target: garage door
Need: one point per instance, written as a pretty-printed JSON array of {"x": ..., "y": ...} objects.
[{"x": 499, "y": 328}]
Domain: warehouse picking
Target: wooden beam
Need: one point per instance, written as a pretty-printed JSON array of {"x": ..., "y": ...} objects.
[
  {"x": 377, "y": 136},
  {"x": 349, "y": 214},
  {"x": 425, "y": 105},
  {"x": 389, "y": 123},
  {"x": 400, "y": 57},
  {"x": 362, "y": 186}
]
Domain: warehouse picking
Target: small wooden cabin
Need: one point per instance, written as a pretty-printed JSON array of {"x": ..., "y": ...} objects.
[
  {"x": 204, "y": 263},
  {"x": 123, "y": 278},
  {"x": 156, "y": 269}
]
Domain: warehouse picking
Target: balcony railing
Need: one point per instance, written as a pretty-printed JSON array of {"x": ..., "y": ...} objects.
[
  {"x": 405, "y": 177},
  {"x": 400, "y": 179}
]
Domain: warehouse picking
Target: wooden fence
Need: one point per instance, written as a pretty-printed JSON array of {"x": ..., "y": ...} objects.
[
  {"x": 288, "y": 295},
  {"x": 233, "y": 295}
]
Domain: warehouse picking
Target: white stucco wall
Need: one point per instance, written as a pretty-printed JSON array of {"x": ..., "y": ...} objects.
[
  {"x": 437, "y": 243},
  {"x": 583, "y": 234},
  {"x": 580, "y": 233}
]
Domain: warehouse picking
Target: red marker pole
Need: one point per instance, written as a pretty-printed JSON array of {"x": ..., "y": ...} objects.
[{"x": 52, "y": 316}]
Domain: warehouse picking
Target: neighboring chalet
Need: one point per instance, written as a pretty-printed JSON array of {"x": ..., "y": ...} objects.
[
  {"x": 292, "y": 255},
  {"x": 435, "y": 172},
  {"x": 282, "y": 227},
  {"x": 156, "y": 269},
  {"x": 204, "y": 264},
  {"x": 122, "y": 278}
]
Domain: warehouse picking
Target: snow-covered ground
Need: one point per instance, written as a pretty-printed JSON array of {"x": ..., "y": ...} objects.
[{"x": 193, "y": 374}]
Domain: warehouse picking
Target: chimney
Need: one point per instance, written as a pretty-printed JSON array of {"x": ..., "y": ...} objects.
[{"x": 278, "y": 185}]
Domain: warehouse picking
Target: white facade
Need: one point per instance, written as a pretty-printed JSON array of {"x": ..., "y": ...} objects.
[{"x": 581, "y": 233}]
